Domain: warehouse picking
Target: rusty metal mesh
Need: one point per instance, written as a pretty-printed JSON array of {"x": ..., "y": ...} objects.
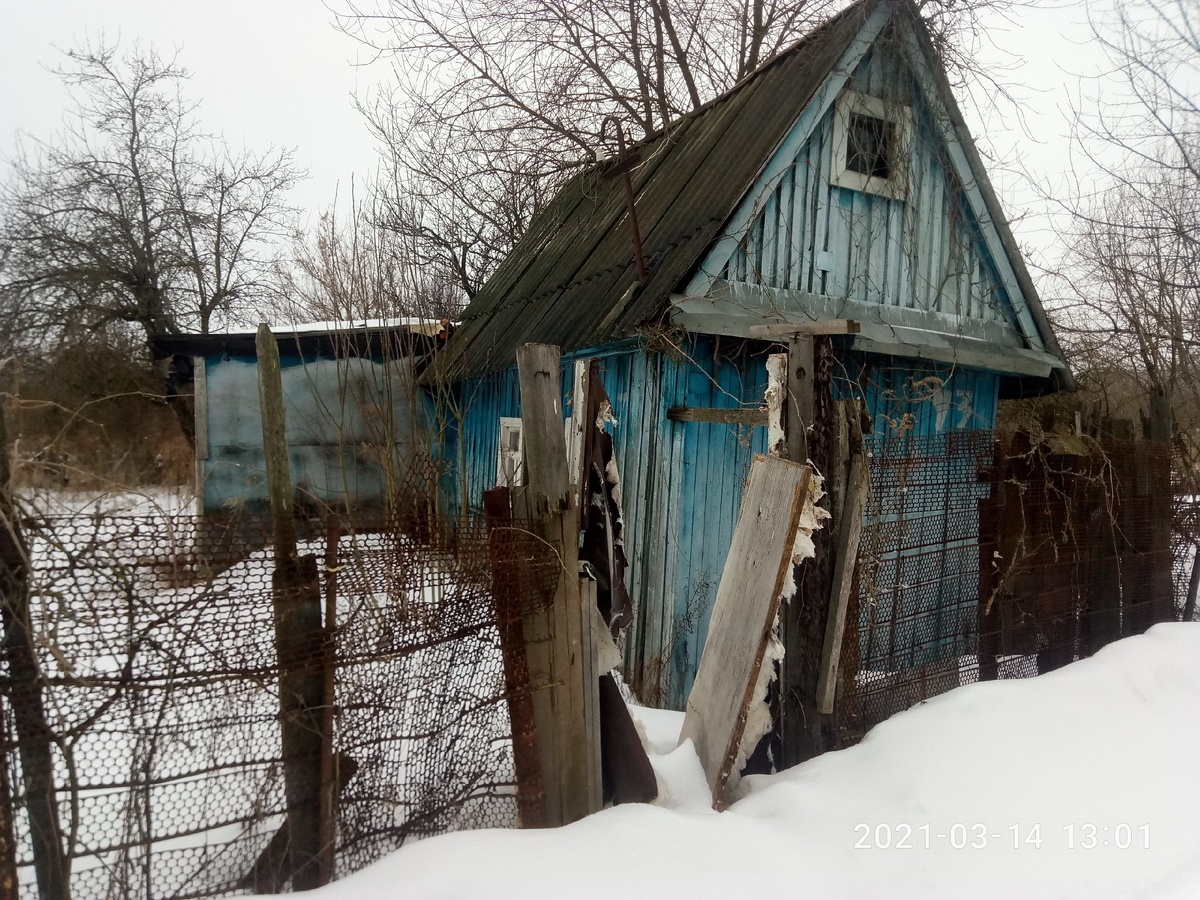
[
  {"x": 986, "y": 557},
  {"x": 154, "y": 639}
]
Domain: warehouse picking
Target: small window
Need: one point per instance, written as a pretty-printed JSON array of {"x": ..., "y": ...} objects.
[
  {"x": 510, "y": 461},
  {"x": 871, "y": 145}
]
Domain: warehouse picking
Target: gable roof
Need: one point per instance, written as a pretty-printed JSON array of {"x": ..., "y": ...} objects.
[{"x": 572, "y": 280}]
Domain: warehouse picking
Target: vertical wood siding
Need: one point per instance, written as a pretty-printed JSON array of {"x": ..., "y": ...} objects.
[
  {"x": 681, "y": 485},
  {"x": 925, "y": 251}
]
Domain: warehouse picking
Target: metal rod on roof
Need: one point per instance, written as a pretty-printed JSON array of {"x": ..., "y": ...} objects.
[{"x": 623, "y": 170}]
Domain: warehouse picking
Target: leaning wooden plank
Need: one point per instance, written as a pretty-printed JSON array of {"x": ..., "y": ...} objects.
[
  {"x": 843, "y": 576},
  {"x": 757, "y": 569}
]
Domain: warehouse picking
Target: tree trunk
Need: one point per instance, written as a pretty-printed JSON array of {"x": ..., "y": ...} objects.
[{"x": 34, "y": 736}]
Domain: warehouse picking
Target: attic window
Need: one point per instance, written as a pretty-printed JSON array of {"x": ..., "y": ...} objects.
[{"x": 871, "y": 145}]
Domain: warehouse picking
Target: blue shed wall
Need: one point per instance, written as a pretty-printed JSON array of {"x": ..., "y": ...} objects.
[
  {"x": 681, "y": 482},
  {"x": 354, "y": 427},
  {"x": 926, "y": 251}
]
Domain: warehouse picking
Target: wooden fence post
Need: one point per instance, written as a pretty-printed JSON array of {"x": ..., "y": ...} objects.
[
  {"x": 550, "y": 501},
  {"x": 34, "y": 735},
  {"x": 299, "y": 637},
  {"x": 849, "y": 529},
  {"x": 514, "y": 648},
  {"x": 799, "y": 416}
]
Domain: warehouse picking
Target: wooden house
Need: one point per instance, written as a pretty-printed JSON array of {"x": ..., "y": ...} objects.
[
  {"x": 837, "y": 182},
  {"x": 355, "y": 420}
]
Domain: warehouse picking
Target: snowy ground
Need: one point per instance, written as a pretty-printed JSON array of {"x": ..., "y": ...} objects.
[
  {"x": 149, "y": 501},
  {"x": 1078, "y": 784}
]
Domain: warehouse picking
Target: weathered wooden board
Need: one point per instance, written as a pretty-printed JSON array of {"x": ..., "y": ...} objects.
[
  {"x": 550, "y": 501},
  {"x": 849, "y": 531},
  {"x": 787, "y": 329},
  {"x": 753, "y": 417},
  {"x": 747, "y": 602},
  {"x": 590, "y": 665}
]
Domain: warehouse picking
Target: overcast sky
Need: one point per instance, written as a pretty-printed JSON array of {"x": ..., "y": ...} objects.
[
  {"x": 267, "y": 72},
  {"x": 277, "y": 72}
]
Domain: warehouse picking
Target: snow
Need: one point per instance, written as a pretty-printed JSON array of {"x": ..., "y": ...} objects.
[
  {"x": 416, "y": 323},
  {"x": 1107, "y": 743},
  {"x": 147, "y": 501},
  {"x": 209, "y": 742}
]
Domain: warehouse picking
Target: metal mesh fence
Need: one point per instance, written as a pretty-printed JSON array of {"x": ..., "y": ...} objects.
[
  {"x": 154, "y": 639},
  {"x": 986, "y": 557}
]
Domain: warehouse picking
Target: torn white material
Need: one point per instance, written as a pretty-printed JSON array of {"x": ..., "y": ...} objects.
[
  {"x": 613, "y": 478},
  {"x": 811, "y": 518},
  {"x": 605, "y": 416},
  {"x": 758, "y": 716},
  {"x": 608, "y": 656}
]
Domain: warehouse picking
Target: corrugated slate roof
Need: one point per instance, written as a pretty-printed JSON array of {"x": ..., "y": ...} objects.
[{"x": 572, "y": 281}]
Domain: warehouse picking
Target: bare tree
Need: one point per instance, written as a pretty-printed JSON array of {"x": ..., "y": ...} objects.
[
  {"x": 132, "y": 214},
  {"x": 495, "y": 104},
  {"x": 350, "y": 269},
  {"x": 1131, "y": 271},
  {"x": 1133, "y": 274},
  {"x": 1153, "y": 47}
]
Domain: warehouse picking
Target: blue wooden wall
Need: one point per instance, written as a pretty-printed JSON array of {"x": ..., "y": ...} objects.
[
  {"x": 926, "y": 251},
  {"x": 681, "y": 484}
]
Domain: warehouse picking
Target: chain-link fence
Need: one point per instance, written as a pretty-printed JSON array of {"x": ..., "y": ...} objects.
[
  {"x": 156, "y": 666},
  {"x": 985, "y": 557}
]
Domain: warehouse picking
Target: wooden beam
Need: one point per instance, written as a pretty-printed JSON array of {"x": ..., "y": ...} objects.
[
  {"x": 736, "y": 307},
  {"x": 275, "y": 448},
  {"x": 591, "y": 694},
  {"x": 800, "y": 396},
  {"x": 579, "y": 436},
  {"x": 515, "y": 629},
  {"x": 849, "y": 532},
  {"x": 776, "y": 398},
  {"x": 753, "y": 417},
  {"x": 577, "y": 429},
  {"x": 787, "y": 329}
]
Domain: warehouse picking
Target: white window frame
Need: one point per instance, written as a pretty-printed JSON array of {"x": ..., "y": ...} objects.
[
  {"x": 510, "y": 464},
  {"x": 900, "y": 117}
]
